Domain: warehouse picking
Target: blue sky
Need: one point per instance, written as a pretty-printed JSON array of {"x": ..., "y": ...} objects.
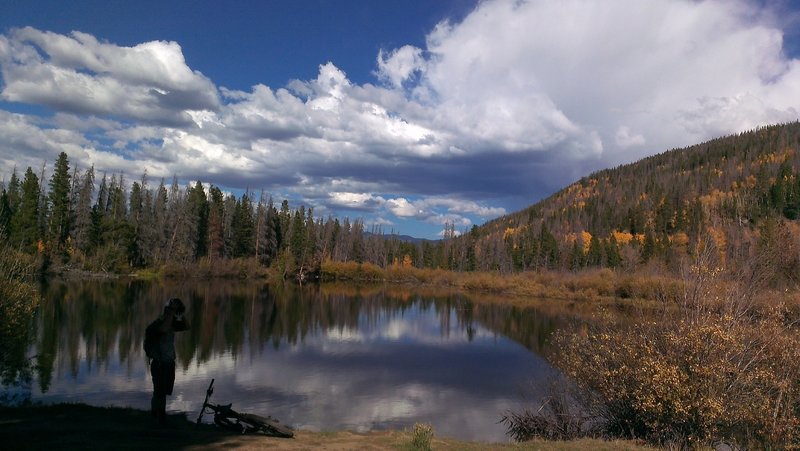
[{"x": 408, "y": 114}]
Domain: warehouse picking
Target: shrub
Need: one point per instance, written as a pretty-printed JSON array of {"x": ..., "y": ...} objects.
[
  {"x": 558, "y": 418},
  {"x": 174, "y": 270},
  {"x": 713, "y": 378},
  {"x": 491, "y": 282},
  {"x": 421, "y": 436},
  {"x": 18, "y": 301},
  {"x": 205, "y": 268},
  {"x": 401, "y": 273},
  {"x": 712, "y": 367},
  {"x": 330, "y": 270}
]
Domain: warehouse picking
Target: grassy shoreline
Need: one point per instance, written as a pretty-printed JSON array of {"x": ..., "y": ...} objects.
[
  {"x": 599, "y": 285},
  {"x": 79, "y": 427}
]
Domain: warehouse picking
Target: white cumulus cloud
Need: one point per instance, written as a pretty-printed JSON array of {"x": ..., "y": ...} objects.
[
  {"x": 399, "y": 65},
  {"x": 503, "y": 107},
  {"x": 77, "y": 73}
]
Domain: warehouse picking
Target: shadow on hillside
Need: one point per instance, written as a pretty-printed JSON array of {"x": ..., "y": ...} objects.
[{"x": 78, "y": 426}]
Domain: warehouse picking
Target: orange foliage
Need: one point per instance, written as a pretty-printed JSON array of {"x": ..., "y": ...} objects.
[
  {"x": 680, "y": 240},
  {"x": 720, "y": 241},
  {"x": 715, "y": 197},
  {"x": 586, "y": 239},
  {"x": 622, "y": 237}
]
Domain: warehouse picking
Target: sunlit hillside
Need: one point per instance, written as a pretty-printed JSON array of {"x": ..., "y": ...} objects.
[{"x": 662, "y": 206}]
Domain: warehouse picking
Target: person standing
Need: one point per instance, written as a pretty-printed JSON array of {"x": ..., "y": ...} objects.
[{"x": 161, "y": 333}]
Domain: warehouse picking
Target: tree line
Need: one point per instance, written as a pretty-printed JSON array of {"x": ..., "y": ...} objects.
[
  {"x": 103, "y": 224},
  {"x": 661, "y": 208}
]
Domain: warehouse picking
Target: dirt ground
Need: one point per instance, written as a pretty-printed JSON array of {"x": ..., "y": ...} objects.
[{"x": 81, "y": 427}]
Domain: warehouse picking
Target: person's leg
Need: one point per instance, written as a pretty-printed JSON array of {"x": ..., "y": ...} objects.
[
  {"x": 169, "y": 377},
  {"x": 158, "y": 403},
  {"x": 153, "y": 401},
  {"x": 167, "y": 383}
]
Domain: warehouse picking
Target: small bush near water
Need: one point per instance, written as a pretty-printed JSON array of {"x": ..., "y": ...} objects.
[
  {"x": 558, "y": 418},
  {"x": 421, "y": 436}
]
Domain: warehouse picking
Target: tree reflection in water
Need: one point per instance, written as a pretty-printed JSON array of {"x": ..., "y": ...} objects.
[{"x": 383, "y": 349}]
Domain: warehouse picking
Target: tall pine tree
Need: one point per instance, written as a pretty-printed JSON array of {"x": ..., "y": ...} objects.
[
  {"x": 25, "y": 223},
  {"x": 59, "y": 196}
]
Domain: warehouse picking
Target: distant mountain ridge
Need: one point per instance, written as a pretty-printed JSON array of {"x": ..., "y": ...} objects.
[{"x": 401, "y": 238}]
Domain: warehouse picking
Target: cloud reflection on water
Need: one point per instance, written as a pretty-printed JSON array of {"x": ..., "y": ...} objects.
[{"x": 388, "y": 365}]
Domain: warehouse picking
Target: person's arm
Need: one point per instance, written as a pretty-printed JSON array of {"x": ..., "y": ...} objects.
[
  {"x": 181, "y": 323},
  {"x": 166, "y": 324}
]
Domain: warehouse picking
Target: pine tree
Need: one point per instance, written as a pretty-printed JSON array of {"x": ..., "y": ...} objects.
[
  {"x": 548, "y": 250},
  {"x": 198, "y": 211},
  {"x": 117, "y": 202},
  {"x": 135, "y": 251},
  {"x": 261, "y": 225},
  {"x": 136, "y": 204},
  {"x": 5, "y": 216},
  {"x": 271, "y": 233},
  {"x": 285, "y": 220},
  {"x": 59, "y": 196},
  {"x": 160, "y": 227},
  {"x": 83, "y": 209},
  {"x": 95, "y": 235},
  {"x": 229, "y": 211},
  {"x": 298, "y": 239},
  {"x": 14, "y": 190},
  {"x": 147, "y": 232},
  {"x": 102, "y": 195},
  {"x": 243, "y": 228},
  {"x": 311, "y": 235},
  {"x": 613, "y": 257},
  {"x": 216, "y": 224},
  {"x": 576, "y": 257},
  {"x": 25, "y": 222},
  {"x": 180, "y": 218},
  {"x": 595, "y": 255},
  {"x": 649, "y": 247}
]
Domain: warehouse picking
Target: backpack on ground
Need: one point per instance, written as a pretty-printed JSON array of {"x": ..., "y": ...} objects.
[{"x": 151, "y": 334}]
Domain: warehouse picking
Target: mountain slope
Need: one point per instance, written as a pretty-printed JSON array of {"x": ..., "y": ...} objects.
[{"x": 723, "y": 187}]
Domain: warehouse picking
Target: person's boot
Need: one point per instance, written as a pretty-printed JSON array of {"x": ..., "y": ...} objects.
[{"x": 154, "y": 411}]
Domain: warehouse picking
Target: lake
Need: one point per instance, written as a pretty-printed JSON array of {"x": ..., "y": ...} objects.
[{"x": 318, "y": 358}]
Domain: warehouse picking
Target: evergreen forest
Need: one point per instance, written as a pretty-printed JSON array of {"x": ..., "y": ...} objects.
[{"x": 734, "y": 193}]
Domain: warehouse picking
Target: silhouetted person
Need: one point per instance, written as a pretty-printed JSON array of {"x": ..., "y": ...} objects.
[{"x": 162, "y": 364}]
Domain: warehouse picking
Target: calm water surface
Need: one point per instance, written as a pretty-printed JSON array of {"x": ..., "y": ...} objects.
[{"x": 318, "y": 358}]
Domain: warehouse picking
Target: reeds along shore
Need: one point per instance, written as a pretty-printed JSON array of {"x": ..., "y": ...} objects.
[{"x": 649, "y": 286}]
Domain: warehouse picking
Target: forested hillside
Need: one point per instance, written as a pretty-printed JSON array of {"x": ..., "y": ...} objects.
[
  {"x": 736, "y": 193},
  {"x": 731, "y": 191}
]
